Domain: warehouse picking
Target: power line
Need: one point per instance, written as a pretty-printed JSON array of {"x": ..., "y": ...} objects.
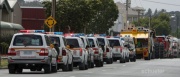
[
  {"x": 140, "y": 3},
  {"x": 161, "y": 3}
]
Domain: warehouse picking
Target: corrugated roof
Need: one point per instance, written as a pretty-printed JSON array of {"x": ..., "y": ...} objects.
[
  {"x": 30, "y": 7},
  {"x": 7, "y": 25},
  {"x": 12, "y": 3},
  {"x": 1, "y": 1}
]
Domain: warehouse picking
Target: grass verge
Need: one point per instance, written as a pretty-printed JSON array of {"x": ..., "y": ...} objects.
[{"x": 4, "y": 63}]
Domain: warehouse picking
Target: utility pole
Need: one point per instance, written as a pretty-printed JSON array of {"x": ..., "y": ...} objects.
[
  {"x": 127, "y": 5},
  {"x": 53, "y": 12},
  {"x": 150, "y": 21},
  {"x": 0, "y": 28},
  {"x": 177, "y": 22}
]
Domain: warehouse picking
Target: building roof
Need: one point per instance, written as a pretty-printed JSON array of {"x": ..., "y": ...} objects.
[
  {"x": 32, "y": 7},
  {"x": 7, "y": 25},
  {"x": 122, "y": 9},
  {"x": 1, "y": 1},
  {"x": 12, "y": 3}
]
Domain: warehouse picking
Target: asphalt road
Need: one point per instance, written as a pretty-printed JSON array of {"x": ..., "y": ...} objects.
[{"x": 141, "y": 68}]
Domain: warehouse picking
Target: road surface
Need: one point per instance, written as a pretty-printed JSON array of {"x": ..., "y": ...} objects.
[{"x": 141, "y": 68}]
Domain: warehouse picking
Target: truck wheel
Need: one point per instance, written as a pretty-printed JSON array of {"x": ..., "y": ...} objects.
[
  {"x": 47, "y": 68},
  {"x": 86, "y": 66}
]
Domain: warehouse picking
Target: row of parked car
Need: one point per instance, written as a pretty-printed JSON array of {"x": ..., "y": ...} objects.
[{"x": 51, "y": 51}]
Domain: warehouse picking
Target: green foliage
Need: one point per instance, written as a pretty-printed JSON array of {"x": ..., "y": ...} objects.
[
  {"x": 83, "y": 15},
  {"x": 161, "y": 23}
]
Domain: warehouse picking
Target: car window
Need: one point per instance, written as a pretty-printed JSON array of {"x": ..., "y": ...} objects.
[
  {"x": 91, "y": 42},
  {"x": 55, "y": 40},
  {"x": 28, "y": 40},
  {"x": 114, "y": 42},
  {"x": 65, "y": 42},
  {"x": 73, "y": 42},
  {"x": 48, "y": 41},
  {"x": 101, "y": 41}
]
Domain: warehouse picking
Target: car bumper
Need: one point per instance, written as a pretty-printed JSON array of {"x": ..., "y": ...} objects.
[{"x": 29, "y": 61}]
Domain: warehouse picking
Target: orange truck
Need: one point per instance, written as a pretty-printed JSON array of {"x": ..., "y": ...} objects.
[{"x": 144, "y": 42}]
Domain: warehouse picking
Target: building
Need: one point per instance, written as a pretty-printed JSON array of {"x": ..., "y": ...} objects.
[
  {"x": 10, "y": 17},
  {"x": 33, "y": 17}
]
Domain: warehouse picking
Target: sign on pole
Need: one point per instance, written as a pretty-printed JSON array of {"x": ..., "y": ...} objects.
[{"x": 50, "y": 22}]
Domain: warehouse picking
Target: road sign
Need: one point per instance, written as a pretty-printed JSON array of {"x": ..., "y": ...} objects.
[{"x": 50, "y": 22}]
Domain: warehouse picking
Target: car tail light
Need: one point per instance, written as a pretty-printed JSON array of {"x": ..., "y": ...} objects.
[
  {"x": 121, "y": 49},
  {"x": 81, "y": 52},
  {"x": 63, "y": 52},
  {"x": 107, "y": 49},
  {"x": 96, "y": 51},
  {"x": 12, "y": 52},
  {"x": 43, "y": 52}
]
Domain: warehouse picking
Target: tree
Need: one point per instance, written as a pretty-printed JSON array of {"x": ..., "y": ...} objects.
[
  {"x": 155, "y": 12},
  {"x": 105, "y": 13},
  {"x": 83, "y": 15},
  {"x": 161, "y": 24},
  {"x": 149, "y": 12}
]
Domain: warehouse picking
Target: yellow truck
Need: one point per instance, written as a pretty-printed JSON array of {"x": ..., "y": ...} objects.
[{"x": 144, "y": 41}]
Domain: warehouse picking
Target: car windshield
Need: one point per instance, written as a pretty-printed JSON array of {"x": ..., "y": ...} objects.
[
  {"x": 73, "y": 42},
  {"x": 55, "y": 40},
  {"x": 28, "y": 40},
  {"x": 91, "y": 42},
  {"x": 101, "y": 41},
  {"x": 114, "y": 42}
]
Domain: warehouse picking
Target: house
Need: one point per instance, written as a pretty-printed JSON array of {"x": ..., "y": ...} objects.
[
  {"x": 33, "y": 17},
  {"x": 10, "y": 17}
]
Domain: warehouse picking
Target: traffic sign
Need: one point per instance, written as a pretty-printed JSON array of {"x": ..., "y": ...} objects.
[{"x": 50, "y": 22}]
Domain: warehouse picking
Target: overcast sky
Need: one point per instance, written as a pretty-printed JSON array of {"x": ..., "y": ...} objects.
[{"x": 162, "y": 4}]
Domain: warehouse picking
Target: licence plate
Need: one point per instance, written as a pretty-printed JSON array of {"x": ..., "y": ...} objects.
[{"x": 27, "y": 52}]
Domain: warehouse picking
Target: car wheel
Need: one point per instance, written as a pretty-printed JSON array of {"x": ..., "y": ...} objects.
[
  {"x": 47, "y": 68},
  {"x": 11, "y": 68},
  {"x": 54, "y": 68},
  {"x": 19, "y": 70},
  {"x": 71, "y": 66},
  {"x": 82, "y": 66}
]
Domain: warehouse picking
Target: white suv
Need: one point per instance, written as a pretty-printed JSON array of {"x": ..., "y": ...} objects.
[
  {"x": 119, "y": 51},
  {"x": 80, "y": 54},
  {"x": 34, "y": 51},
  {"x": 90, "y": 51},
  {"x": 98, "y": 52},
  {"x": 65, "y": 55},
  {"x": 107, "y": 50}
]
